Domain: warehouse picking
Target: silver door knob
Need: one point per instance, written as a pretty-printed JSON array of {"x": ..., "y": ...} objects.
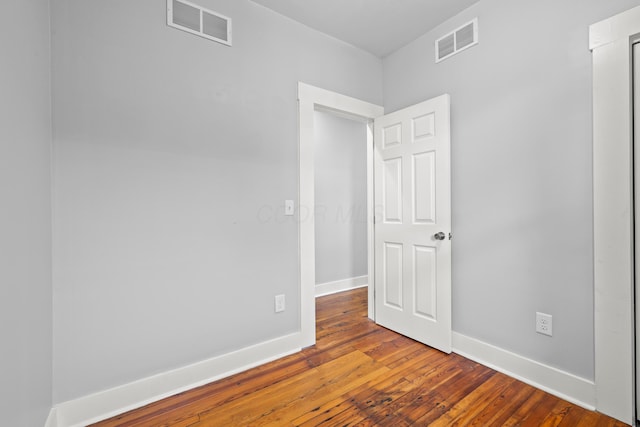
[{"x": 439, "y": 236}]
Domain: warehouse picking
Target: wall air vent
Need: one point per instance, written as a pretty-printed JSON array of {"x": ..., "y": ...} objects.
[
  {"x": 458, "y": 40},
  {"x": 197, "y": 20}
]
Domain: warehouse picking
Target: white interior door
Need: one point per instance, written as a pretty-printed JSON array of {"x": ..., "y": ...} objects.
[{"x": 413, "y": 222}]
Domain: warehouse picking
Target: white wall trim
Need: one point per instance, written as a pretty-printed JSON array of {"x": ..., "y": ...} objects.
[
  {"x": 329, "y": 288},
  {"x": 610, "y": 42},
  {"x": 552, "y": 380},
  {"x": 311, "y": 98},
  {"x": 52, "y": 419},
  {"x": 610, "y": 30},
  {"x": 102, "y": 405}
]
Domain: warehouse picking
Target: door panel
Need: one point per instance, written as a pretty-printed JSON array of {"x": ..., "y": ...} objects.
[
  {"x": 424, "y": 281},
  {"x": 424, "y": 192},
  {"x": 393, "y": 275},
  {"x": 412, "y": 191},
  {"x": 393, "y": 190}
]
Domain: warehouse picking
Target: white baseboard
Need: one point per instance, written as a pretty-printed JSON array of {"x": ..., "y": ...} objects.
[
  {"x": 52, "y": 420},
  {"x": 329, "y": 288},
  {"x": 562, "y": 384},
  {"x": 106, "y": 404}
]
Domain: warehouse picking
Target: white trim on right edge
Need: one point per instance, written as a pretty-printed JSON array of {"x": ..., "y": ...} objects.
[
  {"x": 552, "y": 380},
  {"x": 613, "y": 210}
]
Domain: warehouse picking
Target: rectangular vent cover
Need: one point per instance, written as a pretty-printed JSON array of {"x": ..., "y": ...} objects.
[
  {"x": 458, "y": 40},
  {"x": 197, "y": 20}
]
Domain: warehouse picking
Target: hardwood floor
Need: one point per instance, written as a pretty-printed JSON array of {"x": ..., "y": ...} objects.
[{"x": 360, "y": 374}]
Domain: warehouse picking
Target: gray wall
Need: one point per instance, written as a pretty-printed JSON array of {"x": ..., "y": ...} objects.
[
  {"x": 173, "y": 158},
  {"x": 340, "y": 155},
  {"x": 25, "y": 214},
  {"x": 521, "y": 170}
]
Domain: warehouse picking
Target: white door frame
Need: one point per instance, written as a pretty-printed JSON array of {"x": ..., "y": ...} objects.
[
  {"x": 610, "y": 42},
  {"x": 310, "y": 99}
]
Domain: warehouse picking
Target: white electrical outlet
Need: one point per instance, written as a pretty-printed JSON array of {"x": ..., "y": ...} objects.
[
  {"x": 544, "y": 324},
  {"x": 280, "y": 305}
]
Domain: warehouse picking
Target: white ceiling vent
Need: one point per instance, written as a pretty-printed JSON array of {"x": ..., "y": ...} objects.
[
  {"x": 197, "y": 20},
  {"x": 458, "y": 40}
]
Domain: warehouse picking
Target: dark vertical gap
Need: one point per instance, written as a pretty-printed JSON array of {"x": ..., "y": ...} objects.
[{"x": 633, "y": 223}]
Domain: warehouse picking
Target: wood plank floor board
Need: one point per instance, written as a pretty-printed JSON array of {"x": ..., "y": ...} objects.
[
  {"x": 448, "y": 394},
  {"x": 539, "y": 412},
  {"x": 359, "y": 374},
  {"x": 421, "y": 395},
  {"x": 557, "y": 415},
  {"x": 189, "y": 404},
  {"x": 465, "y": 411},
  {"x": 501, "y": 408},
  {"x": 380, "y": 390},
  {"x": 303, "y": 391},
  {"x": 396, "y": 349},
  {"x": 573, "y": 417},
  {"x": 351, "y": 406},
  {"x": 523, "y": 411}
]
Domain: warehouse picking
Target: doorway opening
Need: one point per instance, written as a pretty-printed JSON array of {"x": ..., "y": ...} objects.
[
  {"x": 340, "y": 214},
  {"x": 310, "y": 100}
]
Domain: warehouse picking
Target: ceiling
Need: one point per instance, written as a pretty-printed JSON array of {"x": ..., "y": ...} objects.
[{"x": 377, "y": 26}]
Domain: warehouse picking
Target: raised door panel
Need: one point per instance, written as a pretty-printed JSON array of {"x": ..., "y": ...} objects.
[
  {"x": 423, "y": 182},
  {"x": 424, "y": 282},
  {"x": 393, "y": 277},
  {"x": 392, "y": 188}
]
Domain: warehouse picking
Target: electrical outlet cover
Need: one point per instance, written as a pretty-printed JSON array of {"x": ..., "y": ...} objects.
[{"x": 544, "y": 324}]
